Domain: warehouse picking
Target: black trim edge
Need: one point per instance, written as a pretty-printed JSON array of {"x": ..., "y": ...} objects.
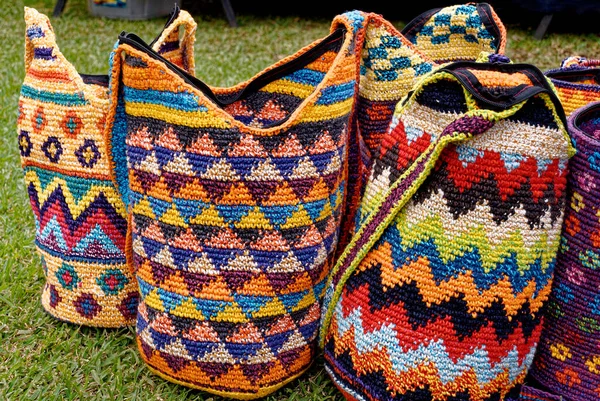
[
  {"x": 418, "y": 22},
  {"x": 485, "y": 12},
  {"x": 174, "y": 15},
  {"x": 541, "y": 85},
  {"x": 269, "y": 76}
]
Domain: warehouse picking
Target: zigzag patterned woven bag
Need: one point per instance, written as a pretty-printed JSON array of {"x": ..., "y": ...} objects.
[
  {"x": 441, "y": 292},
  {"x": 80, "y": 219},
  {"x": 577, "y": 82},
  {"x": 392, "y": 62},
  {"x": 235, "y": 198},
  {"x": 568, "y": 359}
]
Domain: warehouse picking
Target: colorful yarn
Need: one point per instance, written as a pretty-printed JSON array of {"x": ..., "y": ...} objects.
[
  {"x": 235, "y": 199},
  {"x": 80, "y": 220},
  {"x": 576, "y": 82},
  {"x": 568, "y": 358},
  {"x": 457, "y": 32},
  {"x": 392, "y": 63},
  {"x": 442, "y": 290}
]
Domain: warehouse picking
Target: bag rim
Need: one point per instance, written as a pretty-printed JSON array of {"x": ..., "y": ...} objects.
[{"x": 227, "y": 119}]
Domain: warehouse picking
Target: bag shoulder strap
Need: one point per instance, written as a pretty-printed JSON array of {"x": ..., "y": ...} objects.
[{"x": 176, "y": 47}]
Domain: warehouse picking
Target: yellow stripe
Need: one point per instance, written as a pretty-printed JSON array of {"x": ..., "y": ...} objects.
[
  {"x": 289, "y": 88},
  {"x": 209, "y": 120},
  {"x": 193, "y": 119},
  {"x": 327, "y": 112}
]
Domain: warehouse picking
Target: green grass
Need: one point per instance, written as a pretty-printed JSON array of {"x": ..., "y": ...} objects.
[{"x": 43, "y": 359}]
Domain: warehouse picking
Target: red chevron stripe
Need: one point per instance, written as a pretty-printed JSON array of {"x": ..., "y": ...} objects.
[{"x": 465, "y": 176}]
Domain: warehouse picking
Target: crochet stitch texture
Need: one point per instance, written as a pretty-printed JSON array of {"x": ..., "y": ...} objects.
[
  {"x": 80, "y": 220},
  {"x": 235, "y": 200},
  {"x": 576, "y": 82},
  {"x": 442, "y": 291},
  {"x": 568, "y": 358},
  {"x": 392, "y": 62}
]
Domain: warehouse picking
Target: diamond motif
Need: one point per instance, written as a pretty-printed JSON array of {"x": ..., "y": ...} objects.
[
  {"x": 55, "y": 297},
  {"x": 52, "y": 149},
  {"x": 112, "y": 281},
  {"x": 128, "y": 306},
  {"x": 24, "y": 143},
  {"x": 67, "y": 277},
  {"x": 39, "y": 120},
  {"x": 88, "y": 154},
  {"x": 71, "y": 124},
  {"x": 87, "y": 306}
]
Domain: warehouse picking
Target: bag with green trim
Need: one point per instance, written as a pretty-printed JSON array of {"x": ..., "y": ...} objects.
[{"x": 441, "y": 293}]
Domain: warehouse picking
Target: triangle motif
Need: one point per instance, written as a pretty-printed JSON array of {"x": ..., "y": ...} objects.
[
  {"x": 257, "y": 286},
  {"x": 247, "y": 147},
  {"x": 205, "y": 146},
  {"x": 305, "y": 169},
  {"x": 324, "y": 144},
  {"x": 290, "y": 148},
  {"x": 202, "y": 332},
  {"x": 254, "y": 219},
  {"x": 265, "y": 171},
  {"x": 169, "y": 140}
]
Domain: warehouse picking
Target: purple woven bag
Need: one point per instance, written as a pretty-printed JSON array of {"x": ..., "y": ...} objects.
[{"x": 567, "y": 362}]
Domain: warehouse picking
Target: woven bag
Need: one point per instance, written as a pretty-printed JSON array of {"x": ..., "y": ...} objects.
[
  {"x": 391, "y": 64},
  {"x": 568, "y": 358},
  {"x": 457, "y": 32},
  {"x": 441, "y": 292},
  {"x": 235, "y": 200},
  {"x": 577, "y": 82},
  {"x": 80, "y": 219}
]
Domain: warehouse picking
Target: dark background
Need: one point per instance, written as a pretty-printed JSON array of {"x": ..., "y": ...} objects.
[{"x": 569, "y": 15}]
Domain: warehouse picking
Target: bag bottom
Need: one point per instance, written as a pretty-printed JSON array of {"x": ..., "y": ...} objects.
[
  {"x": 67, "y": 314},
  {"x": 262, "y": 392}
]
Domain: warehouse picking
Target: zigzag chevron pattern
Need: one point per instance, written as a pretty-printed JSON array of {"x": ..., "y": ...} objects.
[
  {"x": 79, "y": 215},
  {"x": 500, "y": 284},
  {"x": 46, "y": 184},
  {"x": 491, "y": 252},
  {"x": 449, "y": 367},
  {"x": 391, "y": 64},
  {"x": 442, "y": 294},
  {"x": 92, "y": 226}
]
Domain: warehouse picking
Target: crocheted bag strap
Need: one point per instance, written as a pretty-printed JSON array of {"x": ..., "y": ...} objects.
[
  {"x": 576, "y": 61},
  {"x": 472, "y": 123},
  {"x": 172, "y": 40}
]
